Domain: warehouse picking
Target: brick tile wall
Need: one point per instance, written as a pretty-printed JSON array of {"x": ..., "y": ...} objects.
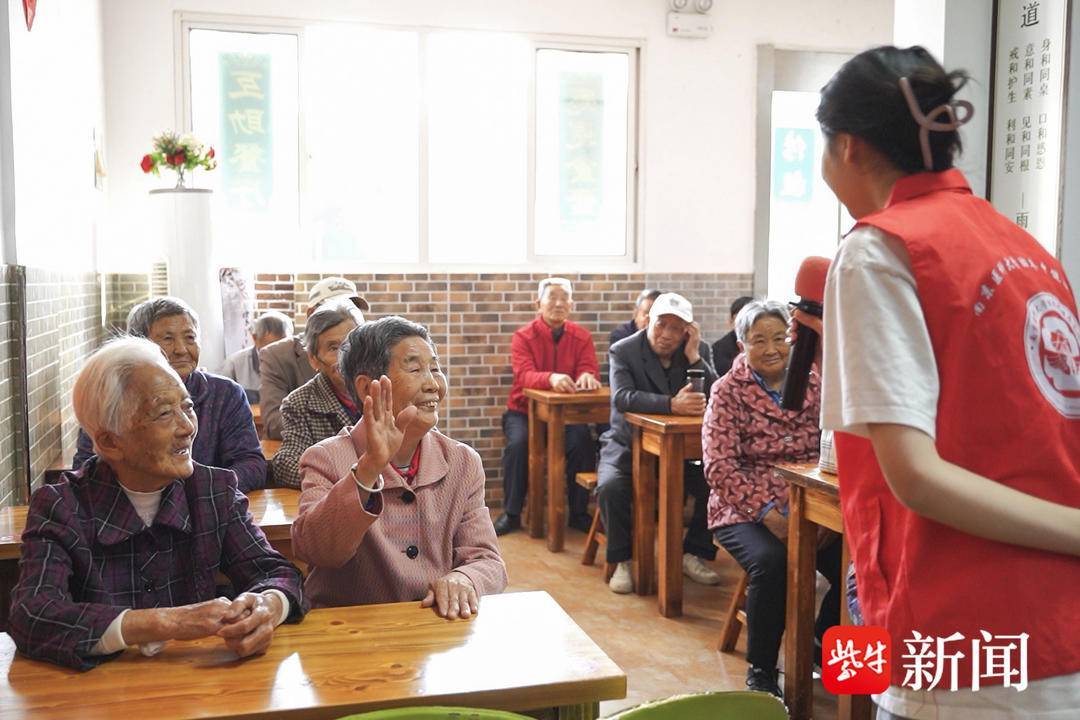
[
  {"x": 12, "y": 474},
  {"x": 472, "y": 316},
  {"x": 122, "y": 292},
  {"x": 63, "y": 317}
]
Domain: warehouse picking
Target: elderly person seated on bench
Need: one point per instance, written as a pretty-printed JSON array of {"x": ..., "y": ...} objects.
[
  {"x": 391, "y": 509},
  {"x": 125, "y": 550},
  {"x": 227, "y": 437},
  {"x": 319, "y": 408}
]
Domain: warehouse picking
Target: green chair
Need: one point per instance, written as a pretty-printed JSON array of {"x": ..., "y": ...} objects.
[
  {"x": 436, "y": 713},
  {"x": 735, "y": 705}
]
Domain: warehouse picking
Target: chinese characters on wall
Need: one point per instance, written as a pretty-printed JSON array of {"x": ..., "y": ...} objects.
[
  {"x": 1028, "y": 115},
  {"x": 245, "y": 119}
]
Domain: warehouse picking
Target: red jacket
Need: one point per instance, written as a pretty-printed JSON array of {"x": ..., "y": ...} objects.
[
  {"x": 1002, "y": 321},
  {"x": 535, "y": 356}
]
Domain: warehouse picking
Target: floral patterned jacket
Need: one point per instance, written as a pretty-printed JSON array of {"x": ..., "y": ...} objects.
[{"x": 745, "y": 432}]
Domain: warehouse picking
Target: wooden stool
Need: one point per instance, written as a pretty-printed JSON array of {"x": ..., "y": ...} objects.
[
  {"x": 735, "y": 620},
  {"x": 596, "y": 536}
]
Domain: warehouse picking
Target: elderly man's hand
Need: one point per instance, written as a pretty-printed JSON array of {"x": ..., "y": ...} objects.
[
  {"x": 693, "y": 343},
  {"x": 453, "y": 596},
  {"x": 587, "y": 381},
  {"x": 562, "y": 383},
  {"x": 250, "y": 622},
  {"x": 688, "y": 402}
]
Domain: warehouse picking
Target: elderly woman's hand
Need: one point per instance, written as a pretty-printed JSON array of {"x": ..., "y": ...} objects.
[
  {"x": 250, "y": 622},
  {"x": 453, "y": 596},
  {"x": 384, "y": 432}
]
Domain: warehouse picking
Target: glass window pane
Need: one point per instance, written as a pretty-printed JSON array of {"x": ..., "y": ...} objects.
[
  {"x": 244, "y": 102},
  {"x": 477, "y": 154},
  {"x": 581, "y": 152},
  {"x": 362, "y": 127}
]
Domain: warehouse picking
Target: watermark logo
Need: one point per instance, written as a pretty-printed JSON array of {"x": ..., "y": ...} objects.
[{"x": 856, "y": 660}]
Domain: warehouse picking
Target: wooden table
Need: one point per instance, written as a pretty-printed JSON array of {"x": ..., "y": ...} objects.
[
  {"x": 340, "y": 661},
  {"x": 554, "y": 411},
  {"x": 256, "y": 415},
  {"x": 671, "y": 440},
  {"x": 815, "y": 501}
]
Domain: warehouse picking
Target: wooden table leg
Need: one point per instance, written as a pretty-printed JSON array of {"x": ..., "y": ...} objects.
[
  {"x": 849, "y": 707},
  {"x": 671, "y": 526},
  {"x": 644, "y": 472},
  {"x": 537, "y": 443},
  {"x": 798, "y": 645},
  {"x": 556, "y": 479}
]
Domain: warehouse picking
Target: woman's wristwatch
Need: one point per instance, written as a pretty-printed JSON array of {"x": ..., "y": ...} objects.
[{"x": 379, "y": 482}]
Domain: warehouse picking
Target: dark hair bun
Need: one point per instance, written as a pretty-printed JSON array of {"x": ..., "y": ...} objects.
[{"x": 864, "y": 99}]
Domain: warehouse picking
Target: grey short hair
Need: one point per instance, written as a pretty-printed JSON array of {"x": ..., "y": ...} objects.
[
  {"x": 326, "y": 317},
  {"x": 754, "y": 310},
  {"x": 366, "y": 351},
  {"x": 100, "y": 396},
  {"x": 272, "y": 323},
  {"x": 145, "y": 314}
]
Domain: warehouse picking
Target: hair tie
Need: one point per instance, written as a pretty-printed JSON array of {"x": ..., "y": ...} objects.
[{"x": 929, "y": 121}]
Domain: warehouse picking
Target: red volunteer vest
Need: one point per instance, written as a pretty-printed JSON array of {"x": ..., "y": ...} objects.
[{"x": 1002, "y": 321}]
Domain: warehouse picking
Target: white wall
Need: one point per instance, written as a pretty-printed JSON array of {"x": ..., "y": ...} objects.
[
  {"x": 698, "y": 98},
  {"x": 957, "y": 33},
  {"x": 57, "y": 101}
]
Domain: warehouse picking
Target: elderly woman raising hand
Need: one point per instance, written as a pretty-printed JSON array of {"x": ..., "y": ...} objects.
[{"x": 391, "y": 509}]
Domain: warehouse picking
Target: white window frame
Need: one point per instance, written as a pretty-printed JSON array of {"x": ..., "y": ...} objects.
[{"x": 634, "y": 48}]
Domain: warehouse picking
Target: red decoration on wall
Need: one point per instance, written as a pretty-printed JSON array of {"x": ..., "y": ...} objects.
[{"x": 30, "y": 9}]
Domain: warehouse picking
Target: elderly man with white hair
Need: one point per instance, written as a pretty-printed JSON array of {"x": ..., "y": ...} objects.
[
  {"x": 125, "y": 550},
  {"x": 550, "y": 353}
]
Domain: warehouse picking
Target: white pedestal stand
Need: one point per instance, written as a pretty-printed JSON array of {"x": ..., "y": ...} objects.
[{"x": 193, "y": 272}]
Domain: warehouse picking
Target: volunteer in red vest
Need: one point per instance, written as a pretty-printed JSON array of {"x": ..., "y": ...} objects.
[
  {"x": 952, "y": 379},
  {"x": 550, "y": 353}
]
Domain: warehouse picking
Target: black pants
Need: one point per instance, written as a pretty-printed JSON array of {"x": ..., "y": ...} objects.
[
  {"x": 615, "y": 493},
  {"x": 764, "y": 557},
  {"x": 580, "y": 457}
]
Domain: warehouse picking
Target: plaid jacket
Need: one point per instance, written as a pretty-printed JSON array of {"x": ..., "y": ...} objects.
[
  {"x": 226, "y": 437},
  {"x": 309, "y": 414},
  {"x": 86, "y": 555}
]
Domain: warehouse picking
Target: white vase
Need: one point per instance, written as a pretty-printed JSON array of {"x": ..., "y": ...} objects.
[{"x": 193, "y": 271}]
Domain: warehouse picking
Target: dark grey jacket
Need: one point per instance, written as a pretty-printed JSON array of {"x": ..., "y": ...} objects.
[{"x": 640, "y": 384}]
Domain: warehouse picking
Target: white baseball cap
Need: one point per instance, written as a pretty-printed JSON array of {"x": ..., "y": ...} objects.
[
  {"x": 672, "y": 304},
  {"x": 334, "y": 287},
  {"x": 557, "y": 282}
]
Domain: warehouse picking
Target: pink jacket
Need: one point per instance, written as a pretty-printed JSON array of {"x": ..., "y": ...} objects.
[
  {"x": 743, "y": 433},
  {"x": 392, "y": 553}
]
